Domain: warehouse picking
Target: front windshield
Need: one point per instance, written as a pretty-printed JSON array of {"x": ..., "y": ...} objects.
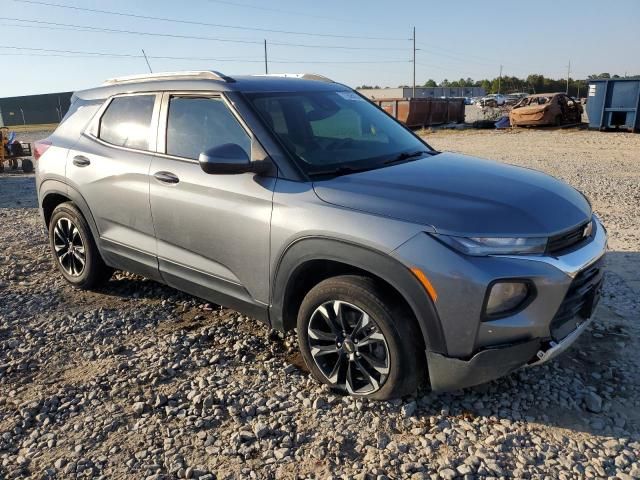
[{"x": 335, "y": 132}]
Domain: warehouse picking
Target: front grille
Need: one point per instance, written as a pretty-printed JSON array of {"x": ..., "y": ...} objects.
[
  {"x": 566, "y": 240},
  {"x": 581, "y": 298}
]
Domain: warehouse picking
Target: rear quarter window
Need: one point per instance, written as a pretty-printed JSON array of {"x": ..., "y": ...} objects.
[
  {"x": 77, "y": 117},
  {"x": 127, "y": 121}
]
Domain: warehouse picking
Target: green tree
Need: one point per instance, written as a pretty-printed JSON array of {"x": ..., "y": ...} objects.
[{"x": 430, "y": 83}]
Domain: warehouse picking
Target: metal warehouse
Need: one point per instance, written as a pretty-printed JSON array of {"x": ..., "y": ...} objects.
[
  {"x": 34, "y": 109},
  {"x": 422, "y": 92}
]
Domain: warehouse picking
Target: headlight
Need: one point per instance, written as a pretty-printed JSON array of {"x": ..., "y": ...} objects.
[
  {"x": 506, "y": 297},
  {"x": 482, "y": 246}
]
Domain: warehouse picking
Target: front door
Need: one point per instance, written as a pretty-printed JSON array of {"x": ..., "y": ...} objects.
[{"x": 212, "y": 230}]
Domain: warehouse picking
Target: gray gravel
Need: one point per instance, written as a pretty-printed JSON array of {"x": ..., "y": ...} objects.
[{"x": 141, "y": 381}]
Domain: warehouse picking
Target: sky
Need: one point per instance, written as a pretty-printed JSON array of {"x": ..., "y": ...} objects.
[{"x": 354, "y": 42}]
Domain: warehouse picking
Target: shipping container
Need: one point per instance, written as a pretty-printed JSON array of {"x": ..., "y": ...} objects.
[
  {"x": 423, "y": 112},
  {"x": 614, "y": 104}
]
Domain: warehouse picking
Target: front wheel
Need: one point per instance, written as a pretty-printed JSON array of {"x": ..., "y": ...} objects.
[
  {"x": 74, "y": 250},
  {"x": 360, "y": 341}
]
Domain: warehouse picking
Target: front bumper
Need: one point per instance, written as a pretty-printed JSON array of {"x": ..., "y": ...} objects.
[
  {"x": 447, "y": 373},
  {"x": 479, "y": 351}
]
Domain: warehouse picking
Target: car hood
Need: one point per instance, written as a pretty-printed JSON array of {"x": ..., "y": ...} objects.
[{"x": 458, "y": 194}]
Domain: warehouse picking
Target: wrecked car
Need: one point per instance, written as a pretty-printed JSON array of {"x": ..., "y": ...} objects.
[{"x": 546, "y": 109}]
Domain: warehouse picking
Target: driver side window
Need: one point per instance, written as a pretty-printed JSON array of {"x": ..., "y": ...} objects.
[{"x": 196, "y": 124}]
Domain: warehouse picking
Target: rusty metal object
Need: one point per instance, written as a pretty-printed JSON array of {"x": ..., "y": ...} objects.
[
  {"x": 423, "y": 112},
  {"x": 546, "y": 109}
]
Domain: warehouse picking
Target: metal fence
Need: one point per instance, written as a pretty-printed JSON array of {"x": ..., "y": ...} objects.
[{"x": 34, "y": 109}]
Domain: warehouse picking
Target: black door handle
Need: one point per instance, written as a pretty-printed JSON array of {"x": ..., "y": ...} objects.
[
  {"x": 81, "y": 161},
  {"x": 166, "y": 177}
]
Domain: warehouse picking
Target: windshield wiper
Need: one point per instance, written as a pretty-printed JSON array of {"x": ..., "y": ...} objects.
[
  {"x": 341, "y": 170},
  {"x": 346, "y": 169},
  {"x": 405, "y": 156}
]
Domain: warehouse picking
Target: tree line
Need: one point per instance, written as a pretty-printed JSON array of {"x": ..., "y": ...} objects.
[{"x": 534, "y": 83}]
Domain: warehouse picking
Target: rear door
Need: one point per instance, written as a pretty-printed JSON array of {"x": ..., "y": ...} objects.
[
  {"x": 109, "y": 166},
  {"x": 212, "y": 230}
]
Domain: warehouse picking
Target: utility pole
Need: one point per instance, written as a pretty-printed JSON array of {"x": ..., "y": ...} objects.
[
  {"x": 568, "y": 73},
  {"x": 266, "y": 64},
  {"x": 500, "y": 80},
  {"x": 414, "y": 62},
  {"x": 147, "y": 60}
]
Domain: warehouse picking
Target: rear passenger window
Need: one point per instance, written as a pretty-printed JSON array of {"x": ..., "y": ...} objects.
[
  {"x": 127, "y": 121},
  {"x": 198, "y": 124}
]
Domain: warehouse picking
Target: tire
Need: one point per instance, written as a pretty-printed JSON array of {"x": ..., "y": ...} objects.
[
  {"x": 71, "y": 243},
  {"x": 390, "y": 330},
  {"x": 27, "y": 166}
]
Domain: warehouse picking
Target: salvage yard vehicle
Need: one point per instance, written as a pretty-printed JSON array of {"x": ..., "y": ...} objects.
[
  {"x": 300, "y": 203},
  {"x": 492, "y": 100},
  {"x": 546, "y": 109},
  {"x": 514, "y": 98},
  {"x": 12, "y": 151}
]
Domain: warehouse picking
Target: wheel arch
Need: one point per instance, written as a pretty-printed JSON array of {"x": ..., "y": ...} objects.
[
  {"x": 310, "y": 260},
  {"x": 55, "y": 192}
]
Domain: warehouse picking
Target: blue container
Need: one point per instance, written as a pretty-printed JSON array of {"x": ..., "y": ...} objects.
[{"x": 614, "y": 104}]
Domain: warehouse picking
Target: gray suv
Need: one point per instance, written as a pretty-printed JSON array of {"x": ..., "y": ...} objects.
[{"x": 296, "y": 201}]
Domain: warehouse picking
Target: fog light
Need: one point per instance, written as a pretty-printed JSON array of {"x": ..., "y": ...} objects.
[{"x": 506, "y": 297}]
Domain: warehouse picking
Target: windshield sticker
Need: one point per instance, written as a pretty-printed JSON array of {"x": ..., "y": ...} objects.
[{"x": 349, "y": 95}]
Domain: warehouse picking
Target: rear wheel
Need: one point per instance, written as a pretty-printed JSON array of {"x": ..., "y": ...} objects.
[
  {"x": 358, "y": 340},
  {"x": 74, "y": 250},
  {"x": 27, "y": 166}
]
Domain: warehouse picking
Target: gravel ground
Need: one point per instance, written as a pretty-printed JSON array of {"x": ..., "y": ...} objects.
[{"x": 141, "y": 381}]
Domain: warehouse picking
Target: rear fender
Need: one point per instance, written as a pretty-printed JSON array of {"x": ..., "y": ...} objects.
[{"x": 49, "y": 187}]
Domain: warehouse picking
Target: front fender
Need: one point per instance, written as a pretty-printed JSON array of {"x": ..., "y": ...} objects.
[{"x": 377, "y": 263}]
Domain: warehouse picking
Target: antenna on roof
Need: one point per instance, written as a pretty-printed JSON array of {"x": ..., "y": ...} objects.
[{"x": 147, "y": 60}]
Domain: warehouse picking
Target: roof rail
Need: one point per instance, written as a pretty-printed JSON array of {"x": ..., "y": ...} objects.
[
  {"x": 185, "y": 75},
  {"x": 304, "y": 76}
]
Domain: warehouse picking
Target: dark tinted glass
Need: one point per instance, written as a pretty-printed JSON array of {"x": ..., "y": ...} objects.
[
  {"x": 198, "y": 124},
  {"x": 127, "y": 121}
]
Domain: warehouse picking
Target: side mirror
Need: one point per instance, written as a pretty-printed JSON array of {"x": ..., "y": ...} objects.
[{"x": 228, "y": 158}]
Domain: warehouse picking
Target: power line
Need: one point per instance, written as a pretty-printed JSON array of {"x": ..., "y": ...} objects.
[
  {"x": 437, "y": 67},
  {"x": 206, "y": 24},
  {"x": 461, "y": 57},
  {"x": 88, "y": 54},
  {"x": 279, "y": 10},
  {"x": 91, "y": 28}
]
